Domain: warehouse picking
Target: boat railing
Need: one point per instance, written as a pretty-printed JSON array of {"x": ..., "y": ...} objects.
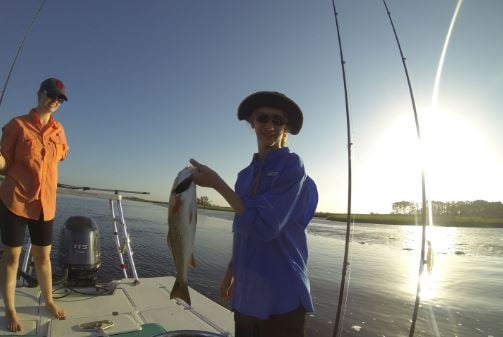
[
  {"x": 121, "y": 235},
  {"x": 125, "y": 247}
]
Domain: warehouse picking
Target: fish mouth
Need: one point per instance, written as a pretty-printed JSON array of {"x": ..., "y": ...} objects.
[{"x": 183, "y": 185}]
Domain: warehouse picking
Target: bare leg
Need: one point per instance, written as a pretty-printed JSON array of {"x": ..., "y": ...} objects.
[
  {"x": 8, "y": 271},
  {"x": 43, "y": 269}
]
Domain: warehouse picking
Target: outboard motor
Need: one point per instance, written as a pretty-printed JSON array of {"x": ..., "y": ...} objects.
[{"x": 79, "y": 251}]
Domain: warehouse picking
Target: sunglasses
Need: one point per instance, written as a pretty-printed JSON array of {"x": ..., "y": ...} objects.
[
  {"x": 264, "y": 118},
  {"x": 54, "y": 97}
]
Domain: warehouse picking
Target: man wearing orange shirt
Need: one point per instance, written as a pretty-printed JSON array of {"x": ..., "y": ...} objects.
[{"x": 31, "y": 147}]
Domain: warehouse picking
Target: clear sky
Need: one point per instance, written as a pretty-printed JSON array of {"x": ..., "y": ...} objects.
[{"x": 152, "y": 84}]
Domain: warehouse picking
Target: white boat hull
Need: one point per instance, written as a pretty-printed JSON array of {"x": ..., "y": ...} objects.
[{"x": 129, "y": 307}]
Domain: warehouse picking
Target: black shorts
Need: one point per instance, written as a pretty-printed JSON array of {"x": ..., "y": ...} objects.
[
  {"x": 13, "y": 228},
  {"x": 290, "y": 324}
]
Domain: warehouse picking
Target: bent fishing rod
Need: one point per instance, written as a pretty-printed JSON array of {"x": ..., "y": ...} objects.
[
  {"x": 424, "y": 218},
  {"x": 19, "y": 50},
  {"x": 342, "y": 293}
]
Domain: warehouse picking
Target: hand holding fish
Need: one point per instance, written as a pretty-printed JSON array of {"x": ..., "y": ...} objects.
[{"x": 206, "y": 177}]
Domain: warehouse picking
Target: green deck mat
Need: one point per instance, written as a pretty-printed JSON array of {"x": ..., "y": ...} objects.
[{"x": 147, "y": 330}]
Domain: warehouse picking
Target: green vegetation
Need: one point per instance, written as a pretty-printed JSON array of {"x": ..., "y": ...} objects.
[
  {"x": 216, "y": 208},
  {"x": 450, "y": 220},
  {"x": 477, "y": 208},
  {"x": 204, "y": 201},
  {"x": 405, "y": 219}
]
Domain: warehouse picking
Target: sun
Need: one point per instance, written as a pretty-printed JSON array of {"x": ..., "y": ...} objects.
[
  {"x": 455, "y": 150},
  {"x": 459, "y": 161}
]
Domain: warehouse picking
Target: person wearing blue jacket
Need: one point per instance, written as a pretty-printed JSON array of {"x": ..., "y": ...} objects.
[{"x": 274, "y": 200}]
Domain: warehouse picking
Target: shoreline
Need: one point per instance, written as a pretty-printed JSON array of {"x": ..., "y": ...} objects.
[
  {"x": 415, "y": 220},
  {"x": 400, "y": 219},
  {"x": 384, "y": 219}
]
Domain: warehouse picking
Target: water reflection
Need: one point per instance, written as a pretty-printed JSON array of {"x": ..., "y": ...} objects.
[
  {"x": 429, "y": 283},
  {"x": 439, "y": 240},
  {"x": 443, "y": 239},
  {"x": 462, "y": 295}
]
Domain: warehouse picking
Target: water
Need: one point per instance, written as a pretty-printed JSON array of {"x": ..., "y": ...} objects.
[{"x": 462, "y": 297}]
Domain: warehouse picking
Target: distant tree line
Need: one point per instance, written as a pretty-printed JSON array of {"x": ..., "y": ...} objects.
[
  {"x": 465, "y": 208},
  {"x": 204, "y": 201}
]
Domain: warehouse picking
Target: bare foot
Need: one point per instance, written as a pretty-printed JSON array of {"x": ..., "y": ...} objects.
[
  {"x": 13, "y": 323},
  {"x": 56, "y": 310}
]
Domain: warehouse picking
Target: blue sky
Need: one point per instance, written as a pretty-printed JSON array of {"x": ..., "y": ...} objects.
[{"x": 152, "y": 84}]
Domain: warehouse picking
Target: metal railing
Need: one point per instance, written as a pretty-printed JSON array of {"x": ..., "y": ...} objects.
[{"x": 120, "y": 234}]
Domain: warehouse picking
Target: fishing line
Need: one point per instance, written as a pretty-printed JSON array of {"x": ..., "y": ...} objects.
[
  {"x": 342, "y": 293},
  {"x": 19, "y": 49},
  {"x": 424, "y": 219}
]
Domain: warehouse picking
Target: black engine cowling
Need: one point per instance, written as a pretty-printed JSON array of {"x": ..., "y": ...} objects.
[{"x": 79, "y": 250}]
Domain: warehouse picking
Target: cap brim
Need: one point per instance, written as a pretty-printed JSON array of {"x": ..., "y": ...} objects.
[{"x": 59, "y": 94}]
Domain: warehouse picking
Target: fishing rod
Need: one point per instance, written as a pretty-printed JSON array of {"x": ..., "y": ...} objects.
[
  {"x": 345, "y": 264},
  {"x": 86, "y": 188},
  {"x": 424, "y": 218},
  {"x": 19, "y": 49}
]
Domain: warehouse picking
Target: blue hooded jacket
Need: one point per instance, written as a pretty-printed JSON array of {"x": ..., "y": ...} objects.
[{"x": 270, "y": 254}]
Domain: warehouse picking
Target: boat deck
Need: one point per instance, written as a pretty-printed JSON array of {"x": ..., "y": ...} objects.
[{"x": 137, "y": 310}]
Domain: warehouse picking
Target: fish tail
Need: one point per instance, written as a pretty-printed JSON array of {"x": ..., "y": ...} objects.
[{"x": 180, "y": 290}]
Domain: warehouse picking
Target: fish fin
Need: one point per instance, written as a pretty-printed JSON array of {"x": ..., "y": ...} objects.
[
  {"x": 180, "y": 290},
  {"x": 192, "y": 261}
]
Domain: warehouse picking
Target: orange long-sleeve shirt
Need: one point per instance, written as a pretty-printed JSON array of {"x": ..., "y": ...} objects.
[{"x": 32, "y": 153}]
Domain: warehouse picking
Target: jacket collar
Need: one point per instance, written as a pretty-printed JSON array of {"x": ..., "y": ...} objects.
[
  {"x": 36, "y": 120},
  {"x": 271, "y": 155}
]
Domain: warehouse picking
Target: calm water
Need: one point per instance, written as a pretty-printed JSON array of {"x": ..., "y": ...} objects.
[{"x": 463, "y": 296}]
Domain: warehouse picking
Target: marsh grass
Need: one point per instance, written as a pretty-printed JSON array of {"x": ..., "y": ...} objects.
[{"x": 402, "y": 219}]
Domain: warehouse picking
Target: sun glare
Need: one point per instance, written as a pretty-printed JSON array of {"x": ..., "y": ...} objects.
[
  {"x": 390, "y": 170},
  {"x": 455, "y": 150},
  {"x": 441, "y": 242}
]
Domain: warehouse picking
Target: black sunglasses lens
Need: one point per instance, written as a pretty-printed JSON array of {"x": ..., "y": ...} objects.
[
  {"x": 276, "y": 120},
  {"x": 264, "y": 118},
  {"x": 55, "y": 97}
]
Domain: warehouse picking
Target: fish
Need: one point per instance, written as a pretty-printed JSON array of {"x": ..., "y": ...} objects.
[{"x": 182, "y": 220}]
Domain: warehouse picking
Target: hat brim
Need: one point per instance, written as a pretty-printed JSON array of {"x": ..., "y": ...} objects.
[{"x": 275, "y": 100}]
